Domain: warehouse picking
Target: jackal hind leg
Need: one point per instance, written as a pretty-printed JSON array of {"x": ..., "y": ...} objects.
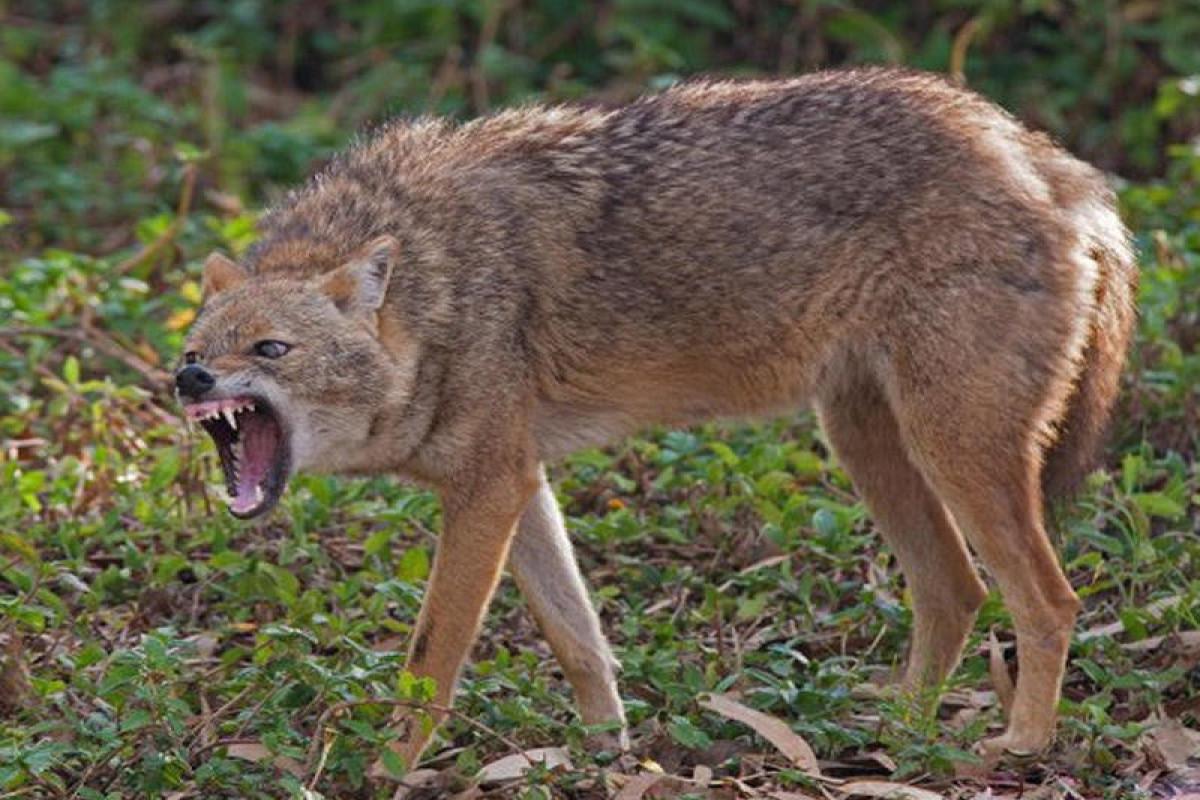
[
  {"x": 982, "y": 462},
  {"x": 946, "y": 590}
]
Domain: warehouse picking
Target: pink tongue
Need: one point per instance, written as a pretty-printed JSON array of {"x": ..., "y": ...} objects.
[{"x": 259, "y": 439}]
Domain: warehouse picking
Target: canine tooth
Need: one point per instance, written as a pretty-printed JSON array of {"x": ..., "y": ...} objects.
[
  {"x": 258, "y": 495},
  {"x": 230, "y": 417}
]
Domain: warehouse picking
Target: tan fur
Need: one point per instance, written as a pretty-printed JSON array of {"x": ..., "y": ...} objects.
[
  {"x": 951, "y": 291},
  {"x": 220, "y": 274}
]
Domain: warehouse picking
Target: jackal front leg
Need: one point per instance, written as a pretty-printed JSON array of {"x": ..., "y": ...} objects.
[
  {"x": 480, "y": 520},
  {"x": 546, "y": 572}
]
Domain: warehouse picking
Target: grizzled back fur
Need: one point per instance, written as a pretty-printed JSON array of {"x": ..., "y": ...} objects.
[
  {"x": 650, "y": 235},
  {"x": 462, "y": 304}
]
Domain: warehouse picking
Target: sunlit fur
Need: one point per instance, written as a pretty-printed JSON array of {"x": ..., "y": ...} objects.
[
  {"x": 952, "y": 292},
  {"x": 329, "y": 389}
]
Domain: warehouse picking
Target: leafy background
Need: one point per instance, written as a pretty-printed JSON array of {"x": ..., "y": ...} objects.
[{"x": 152, "y": 646}]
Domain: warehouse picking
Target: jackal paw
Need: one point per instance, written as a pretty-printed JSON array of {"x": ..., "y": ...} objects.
[
  {"x": 1006, "y": 750},
  {"x": 610, "y": 741}
]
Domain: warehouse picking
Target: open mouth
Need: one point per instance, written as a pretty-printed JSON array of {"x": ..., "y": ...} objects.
[{"x": 253, "y": 448}]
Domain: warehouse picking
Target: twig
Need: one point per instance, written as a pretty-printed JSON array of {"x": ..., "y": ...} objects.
[
  {"x": 448, "y": 74},
  {"x": 958, "y": 50},
  {"x": 212, "y": 718},
  {"x": 562, "y": 35},
  {"x": 87, "y": 773},
  {"x": 241, "y": 729},
  {"x": 344, "y": 705},
  {"x": 168, "y": 235},
  {"x": 15, "y": 353},
  {"x": 487, "y": 36},
  {"x": 225, "y": 743},
  {"x": 101, "y": 341},
  {"x": 10, "y": 628},
  {"x": 316, "y": 776}
]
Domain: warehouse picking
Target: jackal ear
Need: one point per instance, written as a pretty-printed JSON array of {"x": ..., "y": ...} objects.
[
  {"x": 220, "y": 273},
  {"x": 360, "y": 285}
]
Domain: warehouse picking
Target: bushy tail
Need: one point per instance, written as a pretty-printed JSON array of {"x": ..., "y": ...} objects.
[{"x": 1083, "y": 428}]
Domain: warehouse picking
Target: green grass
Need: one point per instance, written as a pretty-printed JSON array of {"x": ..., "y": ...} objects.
[{"x": 146, "y": 636}]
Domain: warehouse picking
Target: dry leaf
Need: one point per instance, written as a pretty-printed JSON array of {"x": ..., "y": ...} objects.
[
  {"x": 1186, "y": 642},
  {"x": 148, "y": 354},
  {"x": 208, "y": 731},
  {"x": 774, "y": 730},
  {"x": 888, "y": 791},
  {"x": 769, "y": 561},
  {"x": 872, "y": 691},
  {"x": 882, "y": 759},
  {"x": 225, "y": 202},
  {"x": 1170, "y": 744},
  {"x": 412, "y": 781},
  {"x": 16, "y": 691},
  {"x": 1154, "y": 610},
  {"x": 977, "y": 699},
  {"x": 390, "y": 644},
  {"x": 205, "y": 644},
  {"x": 514, "y": 766},
  {"x": 1001, "y": 680},
  {"x": 638, "y": 785},
  {"x": 654, "y": 608},
  {"x": 253, "y": 751},
  {"x": 180, "y": 319}
]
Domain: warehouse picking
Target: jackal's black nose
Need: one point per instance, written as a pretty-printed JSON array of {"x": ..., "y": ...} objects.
[{"x": 193, "y": 381}]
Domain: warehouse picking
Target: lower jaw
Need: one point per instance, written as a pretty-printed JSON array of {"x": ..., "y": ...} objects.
[
  {"x": 246, "y": 514},
  {"x": 247, "y": 503},
  {"x": 263, "y": 496}
]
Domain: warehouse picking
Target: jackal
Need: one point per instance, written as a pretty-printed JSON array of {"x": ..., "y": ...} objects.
[{"x": 461, "y": 304}]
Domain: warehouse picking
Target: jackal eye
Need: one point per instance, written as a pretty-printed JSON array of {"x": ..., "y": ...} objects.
[{"x": 271, "y": 348}]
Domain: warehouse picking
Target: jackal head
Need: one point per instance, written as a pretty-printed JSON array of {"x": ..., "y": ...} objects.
[{"x": 287, "y": 373}]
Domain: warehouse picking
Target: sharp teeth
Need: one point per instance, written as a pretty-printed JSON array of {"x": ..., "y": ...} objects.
[
  {"x": 250, "y": 406},
  {"x": 230, "y": 417},
  {"x": 258, "y": 495}
]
